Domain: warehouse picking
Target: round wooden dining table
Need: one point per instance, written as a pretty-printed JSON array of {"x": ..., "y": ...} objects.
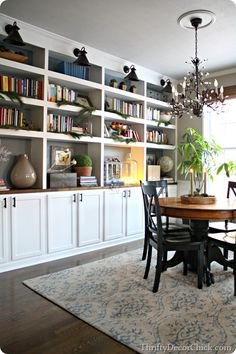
[
  {"x": 198, "y": 216},
  {"x": 222, "y": 209}
]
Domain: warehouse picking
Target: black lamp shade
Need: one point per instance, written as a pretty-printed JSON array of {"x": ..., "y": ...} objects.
[
  {"x": 132, "y": 74},
  {"x": 13, "y": 35},
  {"x": 82, "y": 58},
  {"x": 167, "y": 85}
]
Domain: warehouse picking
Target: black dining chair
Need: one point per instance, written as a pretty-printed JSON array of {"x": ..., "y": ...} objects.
[
  {"x": 164, "y": 242},
  {"x": 168, "y": 227},
  {"x": 224, "y": 226},
  {"x": 227, "y": 241}
]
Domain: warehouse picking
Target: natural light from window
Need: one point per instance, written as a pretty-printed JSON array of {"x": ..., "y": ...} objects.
[{"x": 222, "y": 128}]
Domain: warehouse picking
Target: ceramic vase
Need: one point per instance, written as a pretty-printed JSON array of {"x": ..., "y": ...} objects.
[{"x": 23, "y": 174}]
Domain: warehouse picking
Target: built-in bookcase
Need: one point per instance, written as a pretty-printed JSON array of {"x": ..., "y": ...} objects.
[{"x": 51, "y": 62}]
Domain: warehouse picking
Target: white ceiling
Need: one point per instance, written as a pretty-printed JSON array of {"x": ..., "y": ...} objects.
[{"x": 144, "y": 32}]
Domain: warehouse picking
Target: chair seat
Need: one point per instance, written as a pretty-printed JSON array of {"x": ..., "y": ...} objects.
[{"x": 220, "y": 226}]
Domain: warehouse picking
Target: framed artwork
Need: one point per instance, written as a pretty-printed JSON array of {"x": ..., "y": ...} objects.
[
  {"x": 60, "y": 157},
  {"x": 151, "y": 159},
  {"x": 83, "y": 101}
]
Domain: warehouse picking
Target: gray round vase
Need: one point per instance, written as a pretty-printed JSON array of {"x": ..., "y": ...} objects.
[{"x": 23, "y": 174}]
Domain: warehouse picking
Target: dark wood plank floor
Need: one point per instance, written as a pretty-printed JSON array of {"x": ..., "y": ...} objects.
[{"x": 30, "y": 324}]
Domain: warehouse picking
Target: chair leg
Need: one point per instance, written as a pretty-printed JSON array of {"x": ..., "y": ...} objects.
[
  {"x": 200, "y": 262},
  {"x": 185, "y": 258},
  {"x": 164, "y": 267},
  {"x": 158, "y": 272},
  {"x": 145, "y": 246},
  {"x": 234, "y": 265},
  {"x": 225, "y": 256},
  {"x": 148, "y": 263}
]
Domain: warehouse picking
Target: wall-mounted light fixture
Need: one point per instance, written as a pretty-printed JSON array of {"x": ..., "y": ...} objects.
[
  {"x": 13, "y": 35},
  {"x": 166, "y": 84},
  {"x": 132, "y": 74},
  {"x": 81, "y": 57}
]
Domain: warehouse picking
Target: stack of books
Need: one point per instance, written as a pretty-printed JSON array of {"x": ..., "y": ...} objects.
[
  {"x": 3, "y": 186},
  {"x": 87, "y": 181}
]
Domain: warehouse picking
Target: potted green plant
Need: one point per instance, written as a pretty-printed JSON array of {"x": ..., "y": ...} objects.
[
  {"x": 83, "y": 165},
  {"x": 133, "y": 89},
  {"x": 123, "y": 86},
  {"x": 199, "y": 158},
  {"x": 113, "y": 83}
]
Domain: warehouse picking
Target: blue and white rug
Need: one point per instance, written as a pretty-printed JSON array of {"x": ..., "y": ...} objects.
[{"x": 111, "y": 295}]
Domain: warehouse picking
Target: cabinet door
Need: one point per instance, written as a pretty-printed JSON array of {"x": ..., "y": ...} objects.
[
  {"x": 114, "y": 213},
  {"x": 61, "y": 221},
  {"x": 90, "y": 208},
  {"x": 4, "y": 207},
  {"x": 27, "y": 225},
  {"x": 134, "y": 212}
]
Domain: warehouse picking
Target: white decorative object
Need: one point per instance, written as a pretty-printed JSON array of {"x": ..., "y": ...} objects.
[
  {"x": 166, "y": 164},
  {"x": 165, "y": 117}
]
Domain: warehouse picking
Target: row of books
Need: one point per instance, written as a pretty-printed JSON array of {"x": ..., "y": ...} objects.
[
  {"x": 155, "y": 136},
  {"x": 57, "y": 93},
  {"x": 24, "y": 87},
  {"x": 73, "y": 70},
  {"x": 11, "y": 116},
  {"x": 87, "y": 181},
  {"x": 59, "y": 123},
  {"x": 133, "y": 109},
  {"x": 153, "y": 114}
]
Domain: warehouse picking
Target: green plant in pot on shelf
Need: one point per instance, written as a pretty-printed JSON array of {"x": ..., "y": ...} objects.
[
  {"x": 133, "y": 89},
  {"x": 113, "y": 83},
  {"x": 83, "y": 165},
  {"x": 199, "y": 159},
  {"x": 123, "y": 86}
]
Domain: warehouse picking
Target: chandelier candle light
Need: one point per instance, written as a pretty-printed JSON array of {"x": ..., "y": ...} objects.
[{"x": 196, "y": 91}]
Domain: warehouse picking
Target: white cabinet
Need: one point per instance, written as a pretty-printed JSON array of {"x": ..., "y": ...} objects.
[
  {"x": 27, "y": 225},
  {"x": 61, "y": 221},
  {"x": 4, "y": 239},
  {"x": 123, "y": 213},
  {"x": 114, "y": 213},
  {"x": 90, "y": 217},
  {"x": 134, "y": 212}
]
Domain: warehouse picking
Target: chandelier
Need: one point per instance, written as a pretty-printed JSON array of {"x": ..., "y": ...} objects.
[{"x": 197, "y": 91}]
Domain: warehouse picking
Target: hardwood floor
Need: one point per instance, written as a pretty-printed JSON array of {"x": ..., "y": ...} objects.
[{"x": 30, "y": 324}]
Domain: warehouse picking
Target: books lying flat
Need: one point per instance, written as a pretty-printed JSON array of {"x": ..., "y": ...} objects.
[{"x": 87, "y": 181}]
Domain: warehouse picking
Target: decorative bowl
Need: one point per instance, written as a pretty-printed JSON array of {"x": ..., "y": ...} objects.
[
  {"x": 165, "y": 117},
  {"x": 189, "y": 199}
]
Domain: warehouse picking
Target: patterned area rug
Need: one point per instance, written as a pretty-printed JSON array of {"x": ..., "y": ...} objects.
[{"x": 112, "y": 296}]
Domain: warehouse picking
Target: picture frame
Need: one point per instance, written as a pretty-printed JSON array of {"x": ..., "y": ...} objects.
[
  {"x": 151, "y": 159},
  {"x": 83, "y": 101},
  {"x": 61, "y": 157}
]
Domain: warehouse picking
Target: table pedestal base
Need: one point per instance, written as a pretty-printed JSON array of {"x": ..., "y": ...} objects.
[{"x": 199, "y": 232}]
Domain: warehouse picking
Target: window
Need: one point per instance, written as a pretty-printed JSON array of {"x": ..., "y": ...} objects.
[{"x": 222, "y": 128}]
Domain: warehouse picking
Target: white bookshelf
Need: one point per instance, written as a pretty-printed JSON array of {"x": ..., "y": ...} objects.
[{"x": 48, "y": 48}]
